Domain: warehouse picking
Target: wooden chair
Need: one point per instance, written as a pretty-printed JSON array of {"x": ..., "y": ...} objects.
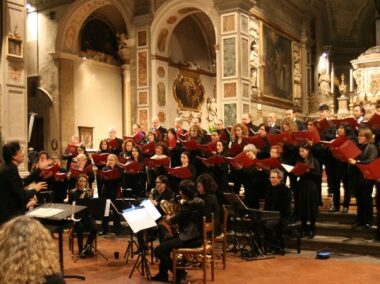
[
  {"x": 203, "y": 255},
  {"x": 222, "y": 238}
]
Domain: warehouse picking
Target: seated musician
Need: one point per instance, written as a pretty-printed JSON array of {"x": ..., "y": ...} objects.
[
  {"x": 278, "y": 198},
  {"x": 207, "y": 188},
  {"x": 80, "y": 194},
  {"x": 189, "y": 220}
]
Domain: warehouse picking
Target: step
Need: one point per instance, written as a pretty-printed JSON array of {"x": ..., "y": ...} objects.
[
  {"x": 344, "y": 230},
  {"x": 338, "y": 244}
]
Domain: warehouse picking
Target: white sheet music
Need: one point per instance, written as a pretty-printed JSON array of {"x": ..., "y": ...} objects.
[
  {"x": 107, "y": 208},
  {"x": 287, "y": 168},
  {"x": 152, "y": 210},
  {"x": 44, "y": 212},
  {"x": 139, "y": 218}
]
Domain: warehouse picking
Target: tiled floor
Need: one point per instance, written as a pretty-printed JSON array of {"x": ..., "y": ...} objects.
[{"x": 291, "y": 268}]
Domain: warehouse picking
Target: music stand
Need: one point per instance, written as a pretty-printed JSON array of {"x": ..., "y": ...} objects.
[
  {"x": 92, "y": 207},
  {"x": 234, "y": 200},
  {"x": 141, "y": 218},
  {"x": 58, "y": 220}
]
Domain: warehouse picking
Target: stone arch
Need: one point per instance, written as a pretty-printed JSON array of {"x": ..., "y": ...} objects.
[
  {"x": 171, "y": 13},
  {"x": 74, "y": 18}
]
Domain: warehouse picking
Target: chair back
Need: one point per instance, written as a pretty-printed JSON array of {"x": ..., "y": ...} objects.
[
  {"x": 208, "y": 231},
  {"x": 225, "y": 219}
]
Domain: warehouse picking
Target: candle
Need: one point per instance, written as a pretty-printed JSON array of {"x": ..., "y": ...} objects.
[
  {"x": 332, "y": 79},
  {"x": 351, "y": 81},
  {"x": 259, "y": 106}
]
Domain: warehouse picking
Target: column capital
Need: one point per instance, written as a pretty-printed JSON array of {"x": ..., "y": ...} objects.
[{"x": 225, "y": 5}]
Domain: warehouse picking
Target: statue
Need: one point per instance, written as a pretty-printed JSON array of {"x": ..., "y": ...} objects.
[
  {"x": 342, "y": 86},
  {"x": 122, "y": 40},
  {"x": 297, "y": 84},
  {"x": 211, "y": 109},
  {"x": 324, "y": 86}
]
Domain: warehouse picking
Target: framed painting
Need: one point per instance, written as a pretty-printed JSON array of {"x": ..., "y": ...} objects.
[
  {"x": 143, "y": 98},
  {"x": 277, "y": 72},
  {"x": 86, "y": 135},
  {"x": 143, "y": 117},
  {"x": 229, "y": 23},
  {"x": 229, "y": 90},
  {"x": 230, "y": 114},
  {"x": 142, "y": 68},
  {"x": 188, "y": 91},
  {"x": 14, "y": 47},
  {"x": 142, "y": 39}
]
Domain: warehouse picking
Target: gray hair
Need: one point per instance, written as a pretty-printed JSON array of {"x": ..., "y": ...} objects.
[
  {"x": 278, "y": 172},
  {"x": 250, "y": 147}
]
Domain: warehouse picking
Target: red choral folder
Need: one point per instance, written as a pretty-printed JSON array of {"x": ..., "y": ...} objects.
[
  {"x": 374, "y": 121},
  {"x": 76, "y": 172},
  {"x": 235, "y": 150},
  {"x": 301, "y": 137},
  {"x": 336, "y": 142},
  {"x": 137, "y": 138},
  {"x": 256, "y": 140},
  {"x": 212, "y": 161},
  {"x": 269, "y": 163},
  {"x": 132, "y": 167},
  {"x": 349, "y": 120},
  {"x": 60, "y": 176},
  {"x": 322, "y": 124},
  {"x": 298, "y": 170},
  {"x": 210, "y": 147},
  {"x": 348, "y": 150},
  {"x": 49, "y": 172},
  {"x": 224, "y": 135},
  {"x": 72, "y": 149},
  {"x": 100, "y": 159},
  {"x": 115, "y": 173},
  {"x": 156, "y": 163},
  {"x": 180, "y": 172},
  {"x": 113, "y": 144},
  {"x": 241, "y": 161},
  {"x": 148, "y": 149},
  {"x": 280, "y": 138},
  {"x": 190, "y": 145},
  {"x": 370, "y": 171},
  {"x": 183, "y": 137}
]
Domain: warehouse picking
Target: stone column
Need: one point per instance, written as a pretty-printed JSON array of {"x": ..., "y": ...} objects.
[
  {"x": 13, "y": 101},
  {"x": 237, "y": 44},
  {"x": 125, "y": 55}
]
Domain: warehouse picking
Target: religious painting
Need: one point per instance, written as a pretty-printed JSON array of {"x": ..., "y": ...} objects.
[
  {"x": 277, "y": 57},
  {"x": 229, "y": 90},
  {"x": 15, "y": 47},
  {"x": 230, "y": 114},
  {"x": 142, "y": 98},
  {"x": 229, "y": 57},
  {"x": 142, "y": 38},
  {"x": 161, "y": 72},
  {"x": 16, "y": 72},
  {"x": 143, "y": 115},
  {"x": 374, "y": 86},
  {"x": 161, "y": 94},
  {"x": 188, "y": 91},
  {"x": 86, "y": 135},
  {"x": 229, "y": 23},
  {"x": 244, "y": 58},
  {"x": 142, "y": 68}
]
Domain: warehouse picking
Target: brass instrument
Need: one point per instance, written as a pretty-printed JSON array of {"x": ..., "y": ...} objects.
[
  {"x": 82, "y": 193},
  {"x": 170, "y": 209}
]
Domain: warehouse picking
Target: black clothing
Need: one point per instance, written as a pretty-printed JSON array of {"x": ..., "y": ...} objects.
[
  {"x": 189, "y": 220},
  {"x": 279, "y": 198},
  {"x": 13, "y": 196},
  {"x": 212, "y": 206},
  {"x": 54, "y": 279},
  {"x": 252, "y": 129}
]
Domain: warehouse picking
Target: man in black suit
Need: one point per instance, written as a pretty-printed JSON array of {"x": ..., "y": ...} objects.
[
  {"x": 246, "y": 118},
  {"x": 160, "y": 131},
  {"x": 198, "y": 121},
  {"x": 14, "y": 199},
  {"x": 291, "y": 114},
  {"x": 273, "y": 126}
]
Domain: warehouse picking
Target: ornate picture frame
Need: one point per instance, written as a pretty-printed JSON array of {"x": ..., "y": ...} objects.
[
  {"x": 188, "y": 91},
  {"x": 277, "y": 74},
  {"x": 15, "y": 47},
  {"x": 86, "y": 135}
]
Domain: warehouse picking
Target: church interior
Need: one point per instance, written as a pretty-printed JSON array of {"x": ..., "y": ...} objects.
[{"x": 79, "y": 67}]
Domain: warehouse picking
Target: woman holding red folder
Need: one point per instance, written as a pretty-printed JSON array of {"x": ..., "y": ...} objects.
[
  {"x": 111, "y": 190},
  {"x": 126, "y": 153},
  {"x": 238, "y": 132},
  {"x": 174, "y": 147},
  {"x": 136, "y": 182},
  {"x": 220, "y": 171},
  {"x": 358, "y": 184},
  {"x": 307, "y": 188},
  {"x": 154, "y": 171},
  {"x": 185, "y": 163},
  {"x": 82, "y": 166}
]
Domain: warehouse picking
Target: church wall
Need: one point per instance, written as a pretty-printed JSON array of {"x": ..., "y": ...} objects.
[{"x": 97, "y": 86}]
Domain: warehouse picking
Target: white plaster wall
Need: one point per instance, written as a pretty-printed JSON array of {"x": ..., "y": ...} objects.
[{"x": 98, "y": 98}]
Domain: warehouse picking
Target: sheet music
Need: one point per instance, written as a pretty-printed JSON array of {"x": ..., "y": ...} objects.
[
  {"x": 107, "y": 208},
  {"x": 154, "y": 213},
  {"x": 44, "y": 212},
  {"x": 139, "y": 218},
  {"x": 287, "y": 168}
]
